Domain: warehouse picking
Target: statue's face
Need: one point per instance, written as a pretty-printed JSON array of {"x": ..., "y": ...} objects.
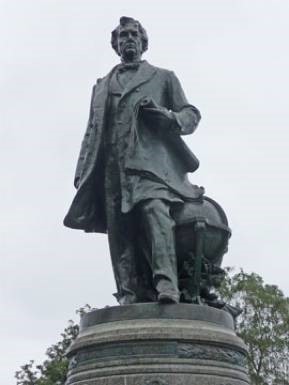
[{"x": 129, "y": 42}]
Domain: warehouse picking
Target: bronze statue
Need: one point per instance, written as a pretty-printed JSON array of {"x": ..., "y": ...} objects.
[{"x": 166, "y": 239}]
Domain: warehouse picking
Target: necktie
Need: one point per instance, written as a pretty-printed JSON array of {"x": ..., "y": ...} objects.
[{"x": 128, "y": 66}]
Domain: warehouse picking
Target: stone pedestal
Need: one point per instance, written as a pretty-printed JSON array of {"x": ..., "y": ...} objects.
[{"x": 153, "y": 344}]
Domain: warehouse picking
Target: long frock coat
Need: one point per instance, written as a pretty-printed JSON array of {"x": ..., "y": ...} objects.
[{"x": 155, "y": 149}]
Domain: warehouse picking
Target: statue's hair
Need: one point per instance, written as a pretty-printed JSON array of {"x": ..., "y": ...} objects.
[{"x": 124, "y": 20}]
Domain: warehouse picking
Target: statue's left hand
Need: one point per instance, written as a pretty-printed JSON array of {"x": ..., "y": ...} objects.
[{"x": 161, "y": 115}]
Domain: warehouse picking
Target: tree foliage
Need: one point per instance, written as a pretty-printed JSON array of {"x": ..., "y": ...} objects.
[
  {"x": 54, "y": 369},
  {"x": 263, "y": 325}
]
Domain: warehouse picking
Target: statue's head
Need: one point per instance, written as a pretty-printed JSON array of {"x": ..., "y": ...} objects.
[{"x": 129, "y": 39}]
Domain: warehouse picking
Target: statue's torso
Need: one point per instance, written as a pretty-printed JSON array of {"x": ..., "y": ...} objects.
[{"x": 130, "y": 188}]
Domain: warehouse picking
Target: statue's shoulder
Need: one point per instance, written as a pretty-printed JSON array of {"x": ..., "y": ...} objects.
[
  {"x": 101, "y": 80},
  {"x": 99, "y": 83},
  {"x": 161, "y": 71}
]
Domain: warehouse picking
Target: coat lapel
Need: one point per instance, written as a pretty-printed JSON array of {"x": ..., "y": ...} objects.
[
  {"x": 143, "y": 74},
  {"x": 101, "y": 90}
]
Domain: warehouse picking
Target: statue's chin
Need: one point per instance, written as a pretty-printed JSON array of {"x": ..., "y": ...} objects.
[{"x": 130, "y": 55}]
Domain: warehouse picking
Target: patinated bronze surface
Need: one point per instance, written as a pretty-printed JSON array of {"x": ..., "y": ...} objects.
[{"x": 166, "y": 239}]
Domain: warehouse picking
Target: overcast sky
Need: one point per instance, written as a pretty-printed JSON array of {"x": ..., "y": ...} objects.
[{"x": 232, "y": 59}]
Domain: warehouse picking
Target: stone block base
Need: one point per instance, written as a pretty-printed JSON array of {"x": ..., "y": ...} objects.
[{"x": 153, "y": 344}]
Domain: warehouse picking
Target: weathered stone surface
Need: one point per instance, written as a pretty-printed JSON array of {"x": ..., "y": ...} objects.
[
  {"x": 155, "y": 311},
  {"x": 146, "y": 345}
]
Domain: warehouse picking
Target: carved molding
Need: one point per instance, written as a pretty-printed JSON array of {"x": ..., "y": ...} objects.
[
  {"x": 157, "y": 381},
  {"x": 205, "y": 352},
  {"x": 73, "y": 363},
  {"x": 159, "y": 349}
]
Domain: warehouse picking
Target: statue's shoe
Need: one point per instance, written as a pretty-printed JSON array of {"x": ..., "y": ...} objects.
[
  {"x": 128, "y": 299},
  {"x": 168, "y": 297}
]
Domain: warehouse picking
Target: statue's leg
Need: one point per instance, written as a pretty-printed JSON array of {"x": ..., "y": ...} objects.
[
  {"x": 121, "y": 239},
  {"x": 159, "y": 230},
  {"x": 122, "y": 255}
]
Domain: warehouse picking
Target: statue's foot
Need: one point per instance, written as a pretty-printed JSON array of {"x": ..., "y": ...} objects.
[
  {"x": 168, "y": 297},
  {"x": 127, "y": 299},
  {"x": 167, "y": 290}
]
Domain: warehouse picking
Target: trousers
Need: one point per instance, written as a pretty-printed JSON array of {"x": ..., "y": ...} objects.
[{"x": 143, "y": 236}]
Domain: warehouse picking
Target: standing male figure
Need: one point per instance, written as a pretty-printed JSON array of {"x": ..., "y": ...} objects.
[{"x": 132, "y": 169}]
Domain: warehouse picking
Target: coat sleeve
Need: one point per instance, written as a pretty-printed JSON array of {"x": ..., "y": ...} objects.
[
  {"x": 84, "y": 143},
  {"x": 186, "y": 116}
]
